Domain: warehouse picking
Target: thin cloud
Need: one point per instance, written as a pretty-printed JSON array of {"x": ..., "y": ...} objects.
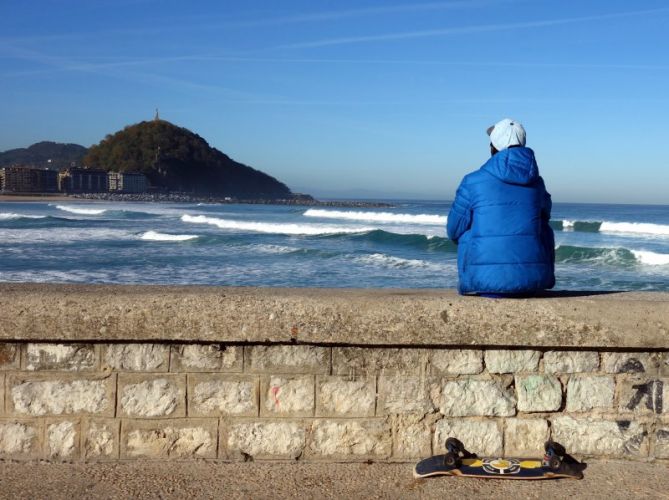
[
  {"x": 195, "y": 24},
  {"x": 370, "y": 11},
  {"x": 465, "y": 30}
]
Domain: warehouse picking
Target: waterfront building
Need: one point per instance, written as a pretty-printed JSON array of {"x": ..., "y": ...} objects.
[
  {"x": 28, "y": 180},
  {"x": 128, "y": 182},
  {"x": 82, "y": 180}
]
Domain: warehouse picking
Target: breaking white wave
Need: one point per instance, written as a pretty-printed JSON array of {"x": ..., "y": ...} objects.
[
  {"x": 634, "y": 227},
  {"x": 429, "y": 219},
  {"x": 156, "y": 236},
  {"x": 567, "y": 225},
  {"x": 272, "y": 227},
  {"x": 389, "y": 261},
  {"x": 81, "y": 211},
  {"x": 651, "y": 258},
  {"x": 12, "y": 216}
]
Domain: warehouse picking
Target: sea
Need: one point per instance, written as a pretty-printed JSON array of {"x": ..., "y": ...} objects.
[{"x": 598, "y": 247}]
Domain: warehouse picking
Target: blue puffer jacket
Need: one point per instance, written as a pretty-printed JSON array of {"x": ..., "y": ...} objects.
[{"x": 499, "y": 220}]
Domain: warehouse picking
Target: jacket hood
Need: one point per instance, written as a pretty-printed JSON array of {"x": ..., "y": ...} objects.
[{"x": 513, "y": 166}]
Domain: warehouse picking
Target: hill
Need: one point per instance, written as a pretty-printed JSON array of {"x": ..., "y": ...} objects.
[
  {"x": 39, "y": 154},
  {"x": 176, "y": 159}
]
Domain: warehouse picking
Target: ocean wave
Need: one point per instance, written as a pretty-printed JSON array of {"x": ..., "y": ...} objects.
[
  {"x": 272, "y": 227},
  {"x": 610, "y": 227},
  {"x": 634, "y": 228},
  {"x": 429, "y": 219},
  {"x": 392, "y": 262},
  {"x": 417, "y": 241},
  {"x": 651, "y": 258},
  {"x": 63, "y": 235},
  {"x": 617, "y": 256},
  {"x": 81, "y": 211},
  {"x": 13, "y": 216},
  {"x": 156, "y": 236},
  {"x": 273, "y": 249}
]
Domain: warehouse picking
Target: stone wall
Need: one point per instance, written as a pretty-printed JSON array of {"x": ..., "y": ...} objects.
[{"x": 239, "y": 401}]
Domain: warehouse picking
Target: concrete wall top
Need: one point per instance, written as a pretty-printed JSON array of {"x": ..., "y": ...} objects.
[{"x": 331, "y": 316}]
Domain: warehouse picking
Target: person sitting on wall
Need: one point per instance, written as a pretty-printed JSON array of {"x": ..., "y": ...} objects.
[{"x": 500, "y": 221}]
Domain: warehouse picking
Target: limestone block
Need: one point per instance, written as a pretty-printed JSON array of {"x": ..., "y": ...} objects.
[
  {"x": 593, "y": 436},
  {"x": 525, "y": 437},
  {"x": 483, "y": 437},
  {"x": 411, "y": 436},
  {"x": 143, "y": 395},
  {"x": 538, "y": 393},
  {"x": 264, "y": 439},
  {"x": 364, "y": 361},
  {"x": 590, "y": 392},
  {"x": 400, "y": 393},
  {"x": 339, "y": 396},
  {"x": 511, "y": 361},
  {"x": 643, "y": 395},
  {"x": 206, "y": 358},
  {"x": 571, "y": 361},
  {"x": 288, "y": 396},
  {"x": 664, "y": 364},
  {"x": 456, "y": 361},
  {"x": 662, "y": 441},
  {"x": 9, "y": 356},
  {"x": 347, "y": 439},
  {"x": 19, "y": 439},
  {"x": 287, "y": 359},
  {"x": 62, "y": 440},
  {"x": 629, "y": 362},
  {"x": 64, "y": 394},
  {"x": 212, "y": 395},
  {"x": 101, "y": 439},
  {"x": 472, "y": 397},
  {"x": 137, "y": 357},
  {"x": 68, "y": 357},
  {"x": 169, "y": 438}
]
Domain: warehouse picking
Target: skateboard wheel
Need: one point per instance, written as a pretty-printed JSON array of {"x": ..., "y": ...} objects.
[
  {"x": 454, "y": 446},
  {"x": 557, "y": 448},
  {"x": 555, "y": 463},
  {"x": 450, "y": 460}
]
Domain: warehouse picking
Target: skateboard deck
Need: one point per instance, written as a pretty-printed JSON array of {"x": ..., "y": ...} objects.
[{"x": 556, "y": 463}]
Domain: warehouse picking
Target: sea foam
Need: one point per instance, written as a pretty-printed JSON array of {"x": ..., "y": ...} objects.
[
  {"x": 81, "y": 211},
  {"x": 156, "y": 236},
  {"x": 430, "y": 219},
  {"x": 271, "y": 227}
]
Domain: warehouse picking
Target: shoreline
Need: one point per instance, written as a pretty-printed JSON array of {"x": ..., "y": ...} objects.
[{"x": 186, "y": 198}]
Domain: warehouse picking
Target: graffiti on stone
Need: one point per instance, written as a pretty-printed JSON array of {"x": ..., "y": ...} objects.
[{"x": 648, "y": 394}]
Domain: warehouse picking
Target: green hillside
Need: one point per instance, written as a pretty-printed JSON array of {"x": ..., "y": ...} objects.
[
  {"x": 176, "y": 159},
  {"x": 39, "y": 154}
]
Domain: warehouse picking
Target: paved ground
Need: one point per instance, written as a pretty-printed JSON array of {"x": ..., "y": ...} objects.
[{"x": 160, "y": 480}]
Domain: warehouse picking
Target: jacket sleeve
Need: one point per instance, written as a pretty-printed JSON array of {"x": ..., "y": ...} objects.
[
  {"x": 460, "y": 215},
  {"x": 546, "y": 204}
]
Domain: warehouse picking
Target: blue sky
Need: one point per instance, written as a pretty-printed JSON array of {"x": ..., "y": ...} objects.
[{"x": 360, "y": 98}]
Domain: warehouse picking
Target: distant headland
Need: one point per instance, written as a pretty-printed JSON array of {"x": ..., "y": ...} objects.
[{"x": 148, "y": 161}]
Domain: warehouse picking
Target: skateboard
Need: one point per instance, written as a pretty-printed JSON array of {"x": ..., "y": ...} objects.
[{"x": 457, "y": 461}]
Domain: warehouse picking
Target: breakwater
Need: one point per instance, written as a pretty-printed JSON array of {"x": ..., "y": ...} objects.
[{"x": 127, "y": 372}]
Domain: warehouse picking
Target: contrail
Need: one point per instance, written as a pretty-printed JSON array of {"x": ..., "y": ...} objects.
[{"x": 465, "y": 30}]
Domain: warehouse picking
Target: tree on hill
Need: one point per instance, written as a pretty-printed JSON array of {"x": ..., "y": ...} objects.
[
  {"x": 177, "y": 159},
  {"x": 44, "y": 154}
]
